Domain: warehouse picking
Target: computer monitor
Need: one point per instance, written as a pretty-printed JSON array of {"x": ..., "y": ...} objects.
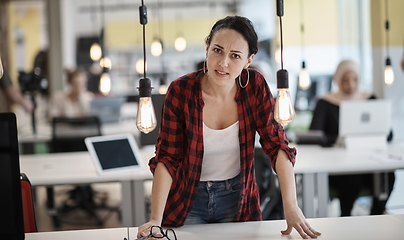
[{"x": 11, "y": 217}]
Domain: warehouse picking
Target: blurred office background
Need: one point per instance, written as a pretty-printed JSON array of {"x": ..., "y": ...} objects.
[{"x": 64, "y": 30}]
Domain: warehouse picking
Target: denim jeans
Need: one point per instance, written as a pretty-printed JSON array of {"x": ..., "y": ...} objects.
[{"x": 216, "y": 202}]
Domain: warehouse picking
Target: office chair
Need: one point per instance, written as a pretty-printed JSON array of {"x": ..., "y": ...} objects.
[
  {"x": 270, "y": 195},
  {"x": 68, "y": 135},
  {"x": 28, "y": 205}
]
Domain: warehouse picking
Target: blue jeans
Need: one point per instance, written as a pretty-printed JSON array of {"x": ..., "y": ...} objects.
[{"x": 216, "y": 202}]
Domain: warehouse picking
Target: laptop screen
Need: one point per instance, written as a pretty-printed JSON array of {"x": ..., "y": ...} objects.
[
  {"x": 364, "y": 117},
  {"x": 11, "y": 217}
]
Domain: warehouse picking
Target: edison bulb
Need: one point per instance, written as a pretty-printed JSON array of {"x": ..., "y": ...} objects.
[
  {"x": 146, "y": 120},
  {"x": 95, "y": 52},
  {"x": 106, "y": 63},
  {"x": 388, "y": 75},
  {"x": 105, "y": 83},
  {"x": 284, "y": 110},
  {"x": 156, "y": 48},
  {"x": 140, "y": 66},
  {"x": 304, "y": 79},
  {"x": 180, "y": 44}
]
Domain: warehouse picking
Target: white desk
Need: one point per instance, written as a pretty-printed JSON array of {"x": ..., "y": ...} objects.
[
  {"x": 77, "y": 168},
  {"x": 356, "y": 228},
  {"x": 316, "y": 163},
  {"x": 361, "y": 228},
  {"x": 94, "y": 234}
]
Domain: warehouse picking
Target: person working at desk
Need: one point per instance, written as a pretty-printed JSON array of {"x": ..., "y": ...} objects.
[
  {"x": 75, "y": 103},
  {"x": 13, "y": 94},
  {"x": 204, "y": 167},
  {"x": 326, "y": 118}
]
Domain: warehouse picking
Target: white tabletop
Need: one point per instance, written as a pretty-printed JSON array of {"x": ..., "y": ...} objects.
[
  {"x": 315, "y": 159},
  {"x": 361, "y": 228},
  {"x": 95, "y": 234},
  {"x": 75, "y": 168}
]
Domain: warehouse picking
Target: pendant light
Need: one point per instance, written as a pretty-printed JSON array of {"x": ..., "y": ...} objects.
[
  {"x": 146, "y": 120},
  {"x": 156, "y": 47},
  {"x": 95, "y": 49},
  {"x": 304, "y": 77},
  {"x": 105, "y": 63},
  {"x": 388, "y": 71},
  {"x": 284, "y": 110},
  {"x": 180, "y": 43}
]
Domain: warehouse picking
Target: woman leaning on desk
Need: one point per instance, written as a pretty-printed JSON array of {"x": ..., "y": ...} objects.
[
  {"x": 326, "y": 118},
  {"x": 204, "y": 167}
]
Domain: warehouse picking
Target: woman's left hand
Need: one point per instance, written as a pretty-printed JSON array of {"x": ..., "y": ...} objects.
[{"x": 295, "y": 219}]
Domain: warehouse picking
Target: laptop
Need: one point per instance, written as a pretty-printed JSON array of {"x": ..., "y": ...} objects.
[
  {"x": 11, "y": 216},
  {"x": 365, "y": 117},
  {"x": 114, "y": 153},
  {"x": 107, "y": 109},
  {"x": 364, "y": 124}
]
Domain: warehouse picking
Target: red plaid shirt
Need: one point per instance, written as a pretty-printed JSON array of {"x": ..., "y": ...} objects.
[{"x": 180, "y": 142}]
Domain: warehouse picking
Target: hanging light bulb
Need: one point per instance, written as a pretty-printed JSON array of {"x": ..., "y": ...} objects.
[
  {"x": 388, "y": 73},
  {"x": 146, "y": 120},
  {"x": 146, "y": 117},
  {"x": 1, "y": 68},
  {"x": 284, "y": 110},
  {"x": 105, "y": 62},
  {"x": 140, "y": 66},
  {"x": 163, "y": 87},
  {"x": 304, "y": 78},
  {"x": 180, "y": 44},
  {"x": 105, "y": 82},
  {"x": 95, "y": 52},
  {"x": 156, "y": 48}
]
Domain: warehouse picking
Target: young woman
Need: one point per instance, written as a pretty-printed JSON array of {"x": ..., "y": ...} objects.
[{"x": 204, "y": 166}]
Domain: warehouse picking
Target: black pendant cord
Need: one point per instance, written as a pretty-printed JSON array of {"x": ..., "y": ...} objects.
[
  {"x": 281, "y": 33},
  {"x": 144, "y": 40},
  {"x": 387, "y": 26},
  {"x": 302, "y": 42}
]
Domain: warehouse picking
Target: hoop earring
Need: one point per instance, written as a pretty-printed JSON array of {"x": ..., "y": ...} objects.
[
  {"x": 248, "y": 79},
  {"x": 204, "y": 65}
]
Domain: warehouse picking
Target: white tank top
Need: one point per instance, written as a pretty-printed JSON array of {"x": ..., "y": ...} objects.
[{"x": 221, "y": 159}]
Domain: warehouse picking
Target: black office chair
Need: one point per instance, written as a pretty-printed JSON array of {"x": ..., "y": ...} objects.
[
  {"x": 270, "y": 195},
  {"x": 68, "y": 135}
]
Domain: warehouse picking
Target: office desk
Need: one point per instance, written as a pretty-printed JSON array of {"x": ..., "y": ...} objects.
[
  {"x": 316, "y": 163},
  {"x": 78, "y": 168},
  {"x": 361, "y": 228},
  {"x": 94, "y": 234}
]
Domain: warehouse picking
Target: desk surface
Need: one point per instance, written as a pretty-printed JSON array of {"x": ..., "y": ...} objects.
[
  {"x": 75, "y": 168},
  {"x": 315, "y": 159},
  {"x": 356, "y": 228}
]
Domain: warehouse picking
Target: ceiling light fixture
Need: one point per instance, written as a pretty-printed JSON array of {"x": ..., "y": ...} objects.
[
  {"x": 388, "y": 71},
  {"x": 146, "y": 117},
  {"x": 284, "y": 110}
]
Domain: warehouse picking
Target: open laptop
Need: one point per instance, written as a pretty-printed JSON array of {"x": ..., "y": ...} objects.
[
  {"x": 364, "y": 123},
  {"x": 11, "y": 214},
  {"x": 107, "y": 109},
  {"x": 114, "y": 153}
]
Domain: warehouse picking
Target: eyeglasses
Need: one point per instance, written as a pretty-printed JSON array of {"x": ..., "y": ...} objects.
[{"x": 158, "y": 232}]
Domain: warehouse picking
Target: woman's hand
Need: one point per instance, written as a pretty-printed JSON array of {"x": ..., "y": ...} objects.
[
  {"x": 295, "y": 219},
  {"x": 144, "y": 230}
]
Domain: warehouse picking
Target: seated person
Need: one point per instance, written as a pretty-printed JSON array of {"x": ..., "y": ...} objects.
[
  {"x": 76, "y": 102},
  {"x": 326, "y": 118},
  {"x": 13, "y": 94}
]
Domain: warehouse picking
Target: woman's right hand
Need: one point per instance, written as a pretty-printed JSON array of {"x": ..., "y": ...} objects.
[{"x": 144, "y": 229}]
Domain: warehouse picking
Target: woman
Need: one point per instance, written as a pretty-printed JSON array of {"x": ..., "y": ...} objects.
[
  {"x": 326, "y": 118},
  {"x": 75, "y": 103},
  {"x": 204, "y": 167}
]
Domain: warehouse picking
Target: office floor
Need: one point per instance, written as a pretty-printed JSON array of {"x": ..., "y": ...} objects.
[{"x": 79, "y": 220}]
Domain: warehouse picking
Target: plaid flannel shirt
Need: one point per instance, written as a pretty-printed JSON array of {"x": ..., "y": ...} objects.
[{"x": 180, "y": 143}]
